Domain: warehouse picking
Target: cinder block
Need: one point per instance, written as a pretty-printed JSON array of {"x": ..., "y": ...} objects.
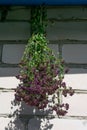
[
  {"x": 76, "y": 81},
  {"x": 11, "y": 124},
  {"x": 12, "y": 53},
  {"x": 67, "y": 30},
  {"x": 8, "y": 106},
  {"x": 9, "y": 71},
  {"x": 67, "y": 124},
  {"x": 67, "y": 13},
  {"x": 57, "y": 124},
  {"x": 9, "y": 82},
  {"x": 19, "y": 14},
  {"x": 54, "y": 48},
  {"x": 14, "y": 30},
  {"x": 42, "y": 124},
  {"x": 78, "y": 105},
  {"x": 77, "y": 70},
  {"x": 9, "y": 96},
  {"x": 75, "y": 53},
  {"x": 7, "y": 103}
]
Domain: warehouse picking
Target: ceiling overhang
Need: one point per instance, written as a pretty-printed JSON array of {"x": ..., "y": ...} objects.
[{"x": 46, "y": 2}]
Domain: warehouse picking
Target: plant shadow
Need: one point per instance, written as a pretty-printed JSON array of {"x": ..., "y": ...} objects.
[{"x": 29, "y": 118}]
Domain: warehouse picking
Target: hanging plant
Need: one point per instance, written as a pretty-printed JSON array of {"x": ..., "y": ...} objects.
[{"x": 41, "y": 76}]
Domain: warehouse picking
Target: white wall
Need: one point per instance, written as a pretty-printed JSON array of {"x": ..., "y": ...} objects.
[{"x": 67, "y": 32}]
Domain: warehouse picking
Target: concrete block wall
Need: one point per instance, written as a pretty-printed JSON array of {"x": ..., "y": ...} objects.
[{"x": 66, "y": 32}]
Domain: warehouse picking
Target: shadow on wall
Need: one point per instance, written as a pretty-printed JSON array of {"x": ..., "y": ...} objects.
[
  {"x": 14, "y": 72},
  {"x": 77, "y": 71},
  {"x": 6, "y": 72},
  {"x": 29, "y": 118}
]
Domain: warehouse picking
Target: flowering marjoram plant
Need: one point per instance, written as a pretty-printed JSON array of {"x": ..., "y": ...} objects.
[{"x": 42, "y": 75}]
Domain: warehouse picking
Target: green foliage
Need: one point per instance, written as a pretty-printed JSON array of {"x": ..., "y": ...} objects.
[
  {"x": 38, "y": 19},
  {"x": 42, "y": 72},
  {"x": 37, "y": 52}
]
